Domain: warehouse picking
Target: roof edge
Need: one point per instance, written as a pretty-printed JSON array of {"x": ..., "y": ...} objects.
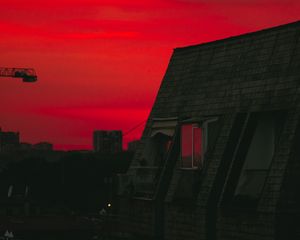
[{"x": 242, "y": 35}]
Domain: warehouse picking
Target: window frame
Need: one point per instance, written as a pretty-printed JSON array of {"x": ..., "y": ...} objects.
[
  {"x": 165, "y": 126},
  {"x": 203, "y": 124},
  {"x": 250, "y": 123}
]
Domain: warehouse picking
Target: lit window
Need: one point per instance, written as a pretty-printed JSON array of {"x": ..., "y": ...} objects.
[{"x": 191, "y": 146}]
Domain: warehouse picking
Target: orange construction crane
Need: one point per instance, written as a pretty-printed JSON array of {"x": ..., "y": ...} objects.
[{"x": 27, "y": 74}]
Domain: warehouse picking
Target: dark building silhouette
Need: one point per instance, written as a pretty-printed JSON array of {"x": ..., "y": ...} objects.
[
  {"x": 107, "y": 141},
  {"x": 25, "y": 146},
  {"x": 43, "y": 146},
  {"x": 38, "y": 182},
  {"x": 9, "y": 140},
  {"x": 219, "y": 156},
  {"x": 132, "y": 146}
]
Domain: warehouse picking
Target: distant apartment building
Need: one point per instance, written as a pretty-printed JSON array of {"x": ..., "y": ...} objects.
[
  {"x": 9, "y": 140},
  {"x": 24, "y": 146},
  {"x": 107, "y": 141},
  {"x": 44, "y": 146}
]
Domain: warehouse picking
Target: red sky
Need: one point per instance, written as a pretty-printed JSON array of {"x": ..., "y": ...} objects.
[{"x": 100, "y": 62}]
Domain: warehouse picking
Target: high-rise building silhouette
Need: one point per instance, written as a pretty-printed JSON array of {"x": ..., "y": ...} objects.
[{"x": 9, "y": 140}]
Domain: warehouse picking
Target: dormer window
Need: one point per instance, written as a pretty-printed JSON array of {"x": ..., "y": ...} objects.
[
  {"x": 159, "y": 141},
  {"x": 195, "y": 140},
  {"x": 191, "y": 146},
  {"x": 258, "y": 157},
  {"x": 252, "y": 158}
]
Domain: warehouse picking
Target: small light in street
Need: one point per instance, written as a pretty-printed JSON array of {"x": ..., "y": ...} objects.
[{"x": 109, "y": 205}]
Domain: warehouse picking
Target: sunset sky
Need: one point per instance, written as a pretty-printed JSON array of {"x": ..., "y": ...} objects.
[{"x": 100, "y": 62}]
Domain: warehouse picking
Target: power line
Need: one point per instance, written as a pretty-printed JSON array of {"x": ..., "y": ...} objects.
[{"x": 135, "y": 127}]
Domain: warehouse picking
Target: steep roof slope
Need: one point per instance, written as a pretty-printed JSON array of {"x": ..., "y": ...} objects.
[{"x": 227, "y": 73}]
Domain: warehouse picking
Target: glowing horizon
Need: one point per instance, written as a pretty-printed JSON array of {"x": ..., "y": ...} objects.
[{"x": 100, "y": 63}]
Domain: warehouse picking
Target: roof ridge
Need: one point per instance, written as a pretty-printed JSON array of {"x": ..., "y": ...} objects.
[{"x": 242, "y": 35}]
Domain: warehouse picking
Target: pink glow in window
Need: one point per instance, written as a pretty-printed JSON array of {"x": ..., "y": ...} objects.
[{"x": 191, "y": 146}]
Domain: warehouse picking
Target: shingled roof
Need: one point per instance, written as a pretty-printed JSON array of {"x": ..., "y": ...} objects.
[{"x": 239, "y": 67}]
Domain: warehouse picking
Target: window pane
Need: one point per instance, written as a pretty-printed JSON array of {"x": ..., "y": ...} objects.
[
  {"x": 258, "y": 159},
  {"x": 197, "y": 147},
  {"x": 186, "y": 146},
  {"x": 251, "y": 182}
]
